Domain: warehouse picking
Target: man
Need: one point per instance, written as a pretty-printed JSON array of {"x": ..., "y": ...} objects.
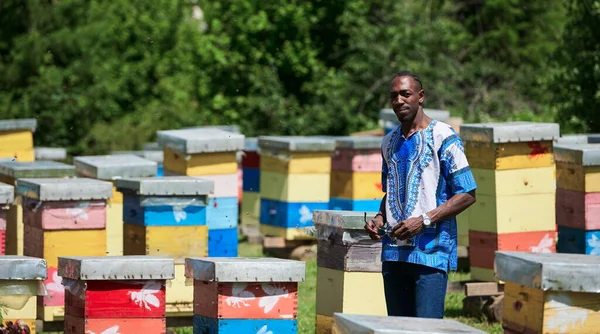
[{"x": 427, "y": 182}]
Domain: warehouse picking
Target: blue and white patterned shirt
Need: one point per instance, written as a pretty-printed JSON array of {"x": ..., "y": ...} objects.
[{"x": 420, "y": 173}]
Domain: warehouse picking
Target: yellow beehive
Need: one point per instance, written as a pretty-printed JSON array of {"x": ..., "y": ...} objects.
[
  {"x": 356, "y": 185},
  {"x": 200, "y": 164},
  {"x": 180, "y": 294},
  {"x": 294, "y": 187},
  {"x": 515, "y": 155},
  {"x": 549, "y": 293},
  {"x": 250, "y": 213},
  {"x": 296, "y": 162},
  {"x": 16, "y": 139},
  {"x": 177, "y": 242}
]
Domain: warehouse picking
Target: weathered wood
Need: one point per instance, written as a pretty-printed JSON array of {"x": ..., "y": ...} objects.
[
  {"x": 489, "y": 307},
  {"x": 483, "y": 289},
  {"x": 363, "y": 255}
]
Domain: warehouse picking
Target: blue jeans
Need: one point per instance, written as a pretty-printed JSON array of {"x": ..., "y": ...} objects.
[{"x": 413, "y": 290}]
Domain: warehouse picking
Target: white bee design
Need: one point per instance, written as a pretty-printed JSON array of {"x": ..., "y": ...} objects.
[
  {"x": 275, "y": 291},
  {"x": 112, "y": 330},
  {"x": 79, "y": 211},
  {"x": 179, "y": 214},
  {"x": 544, "y": 245},
  {"x": 56, "y": 284},
  {"x": 264, "y": 330},
  {"x": 146, "y": 295},
  {"x": 305, "y": 214},
  {"x": 594, "y": 242},
  {"x": 238, "y": 296}
]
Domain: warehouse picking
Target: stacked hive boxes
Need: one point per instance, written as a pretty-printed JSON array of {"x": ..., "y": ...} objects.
[
  {"x": 389, "y": 121},
  {"x": 9, "y": 173},
  {"x": 16, "y": 139},
  {"x": 549, "y": 293},
  {"x": 210, "y": 154},
  {"x": 110, "y": 168},
  {"x": 368, "y": 324},
  {"x": 119, "y": 294},
  {"x": 62, "y": 217},
  {"x": 167, "y": 216},
  {"x": 21, "y": 278},
  {"x": 578, "y": 198},
  {"x": 245, "y": 295},
  {"x": 250, "y": 213},
  {"x": 356, "y": 174},
  {"x": 513, "y": 166},
  {"x": 50, "y": 153},
  {"x": 294, "y": 181},
  {"x": 7, "y": 197},
  {"x": 346, "y": 259}
]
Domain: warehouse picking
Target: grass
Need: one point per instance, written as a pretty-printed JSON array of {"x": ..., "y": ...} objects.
[{"x": 307, "y": 296}]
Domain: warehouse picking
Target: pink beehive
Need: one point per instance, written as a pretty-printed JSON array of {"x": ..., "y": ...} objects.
[
  {"x": 65, "y": 215},
  {"x": 6, "y": 199}
]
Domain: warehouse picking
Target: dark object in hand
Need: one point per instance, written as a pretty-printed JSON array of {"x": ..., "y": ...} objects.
[{"x": 17, "y": 327}]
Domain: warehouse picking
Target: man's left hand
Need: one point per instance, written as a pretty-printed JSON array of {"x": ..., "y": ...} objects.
[{"x": 408, "y": 228}]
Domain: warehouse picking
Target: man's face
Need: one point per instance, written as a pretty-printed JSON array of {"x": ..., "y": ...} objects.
[{"x": 405, "y": 96}]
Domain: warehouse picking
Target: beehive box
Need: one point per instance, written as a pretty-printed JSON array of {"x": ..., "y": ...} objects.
[
  {"x": 21, "y": 280},
  {"x": 250, "y": 213},
  {"x": 577, "y": 200},
  {"x": 16, "y": 139},
  {"x": 346, "y": 258},
  {"x": 389, "y": 121},
  {"x": 356, "y": 174},
  {"x": 111, "y": 168},
  {"x": 167, "y": 216},
  {"x": 245, "y": 295},
  {"x": 50, "y": 153},
  {"x": 125, "y": 294},
  {"x": 294, "y": 181},
  {"x": 7, "y": 197},
  {"x": 549, "y": 293},
  {"x": 50, "y": 237},
  {"x": 211, "y": 153},
  {"x": 512, "y": 163},
  {"x": 369, "y": 324},
  {"x": 9, "y": 173}
]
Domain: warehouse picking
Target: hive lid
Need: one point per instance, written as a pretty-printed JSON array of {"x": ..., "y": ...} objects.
[
  {"x": 152, "y": 155},
  {"x": 110, "y": 167},
  {"x": 388, "y": 115},
  {"x": 297, "y": 143},
  {"x": 371, "y": 324},
  {"x": 201, "y": 140},
  {"x": 18, "y": 124},
  {"x": 7, "y": 194},
  {"x": 241, "y": 269},
  {"x": 509, "y": 132},
  {"x": 350, "y": 220},
  {"x": 578, "y": 154},
  {"x": 15, "y": 267},
  {"x": 230, "y": 128},
  {"x": 116, "y": 267},
  {"x": 50, "y": 153},
  {"x": 57, "y": 189},
  {"x": 359, "y": 142},
  {"x": 34, "y": 169},
  {"x": 251, "y": 144},
  {"x": 167, "y": 186},
  {"x": 153, "y": 146},
  {"x": 563, "y": 272},
  {"x": 590, "y": 138}
]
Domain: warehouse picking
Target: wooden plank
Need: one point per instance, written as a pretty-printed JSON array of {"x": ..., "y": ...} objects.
[
  {"x": 297, "y": 163},
  {"x": 523, "y": 181},
  {"x": 179, "y": 295},
  {"x": 363, "y": 256},
  {"x": 503, "y": 156},
  {"x": 65, "y": 215},
  {"x": 578, "y": 178},
  {"x": 324, "y": 324},
  {"x": 483, "y": 289},
  {"x": 294, "y": 187},
  {"x": 75, "y": 325},
  {"x": 571, "y": 312},
  {"x": 577, "y": 209},
  {"x": 200, "y": 164}
]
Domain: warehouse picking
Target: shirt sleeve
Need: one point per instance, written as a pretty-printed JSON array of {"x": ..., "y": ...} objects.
[
  {"x": 455, "y": 167},
  {"x": 384, "y": 174}
]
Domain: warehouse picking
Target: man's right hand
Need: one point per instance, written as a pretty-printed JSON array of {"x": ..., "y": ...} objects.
[{"x": 373, "y": 225}]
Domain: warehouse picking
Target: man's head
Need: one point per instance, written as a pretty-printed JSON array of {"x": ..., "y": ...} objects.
[{"x": 406, "y": 95}]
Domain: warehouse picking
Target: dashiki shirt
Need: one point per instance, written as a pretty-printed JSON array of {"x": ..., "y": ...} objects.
[{"x": 420, "y": 173}]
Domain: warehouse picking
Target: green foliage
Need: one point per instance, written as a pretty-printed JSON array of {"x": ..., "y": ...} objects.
[{"x": 106, "y": 75}]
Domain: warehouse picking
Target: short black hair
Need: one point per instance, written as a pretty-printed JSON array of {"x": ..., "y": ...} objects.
[{"x": 409, "y": 74}]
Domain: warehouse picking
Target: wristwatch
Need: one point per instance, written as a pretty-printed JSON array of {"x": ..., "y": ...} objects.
[{"x": 426, "y": 220}]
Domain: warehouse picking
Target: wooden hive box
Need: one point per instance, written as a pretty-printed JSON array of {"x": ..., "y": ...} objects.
[
  {"x": 369, "y": 324},
  {"x": 9, "y": 173},
  {"x": 346, "y": 258},
  {"x": 7, "y": 198},
  {"x": 21, "y": 280},
  {"x": 50, "y": 237},
  {"x": 298, "y": 185},
  {"x": 16, "y": 139},
  {"x": 550, "y": 293},
  {"x": 111, "y": 168},
  {"x": 200, "y": 151},
  {"x": 577, "y": 201},
  {"x": 250, "y": 207},
  {"x": 122, "y": 294},
  {"x": 243, "y": 295},
  {"x": 50, "y": 153}
]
